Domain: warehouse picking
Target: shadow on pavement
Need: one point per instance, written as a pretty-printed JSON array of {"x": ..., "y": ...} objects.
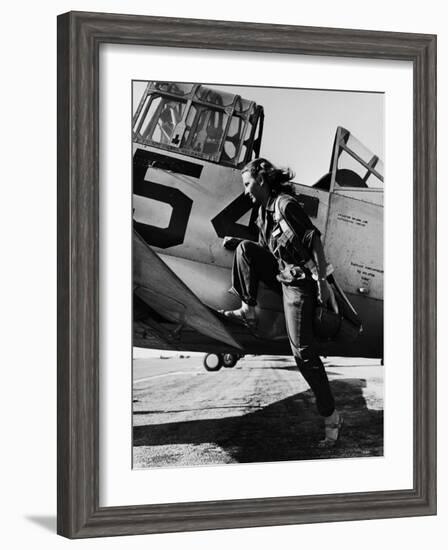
[{"x": 286, "y": 430}]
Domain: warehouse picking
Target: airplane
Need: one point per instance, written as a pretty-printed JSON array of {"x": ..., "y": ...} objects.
[{"x": 190, "y": 142}]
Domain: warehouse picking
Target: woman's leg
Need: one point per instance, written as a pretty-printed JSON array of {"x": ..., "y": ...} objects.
[
  {"x": 299, "y": 304},
  {"x": 253, "y": 263}
]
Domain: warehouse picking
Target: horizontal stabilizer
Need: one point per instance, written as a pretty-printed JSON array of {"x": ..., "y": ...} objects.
[{"x": 162, "y": 290}]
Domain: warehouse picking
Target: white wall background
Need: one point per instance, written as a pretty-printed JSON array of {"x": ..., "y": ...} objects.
[{"x": 28, "y": 276}]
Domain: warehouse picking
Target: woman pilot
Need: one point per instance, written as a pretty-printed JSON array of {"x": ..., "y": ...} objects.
[{"x": 289, "y": 258}]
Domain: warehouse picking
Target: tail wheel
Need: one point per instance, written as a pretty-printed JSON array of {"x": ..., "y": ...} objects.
[
  {"x": 229, "y": 360},
  {"x": 213, "y": 362}
]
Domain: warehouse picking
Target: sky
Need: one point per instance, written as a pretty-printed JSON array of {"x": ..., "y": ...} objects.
[{"x": 300, "y": 124}]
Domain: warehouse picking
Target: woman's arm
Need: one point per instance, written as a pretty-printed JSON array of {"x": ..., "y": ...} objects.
[
  {"x": 320, "y": 262},
  {"x": 319, "y": 257},
  {"x": 231, "y": 243},
  {"x": 324, "y": 290}
]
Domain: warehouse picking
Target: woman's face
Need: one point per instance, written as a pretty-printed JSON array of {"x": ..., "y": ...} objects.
[{"x": 253, "y": 188}]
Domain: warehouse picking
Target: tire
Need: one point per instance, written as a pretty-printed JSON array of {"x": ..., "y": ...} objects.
[
  {"x": 229, "y": 360},
  {"x": 212, "y": 362}
]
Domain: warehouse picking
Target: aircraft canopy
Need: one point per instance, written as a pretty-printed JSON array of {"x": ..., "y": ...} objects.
[
  {"x": 352, "y": 165},
  {"x": 199, "y": 121}
]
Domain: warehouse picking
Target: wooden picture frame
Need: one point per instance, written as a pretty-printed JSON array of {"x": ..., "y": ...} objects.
[{"x": 79, "y": 38}]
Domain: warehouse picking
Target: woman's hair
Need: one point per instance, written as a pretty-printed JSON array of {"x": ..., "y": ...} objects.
[{"x": 277, "y": 178}]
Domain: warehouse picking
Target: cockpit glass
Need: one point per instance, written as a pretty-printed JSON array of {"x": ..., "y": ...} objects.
[
  {"x": 357, "y": 166},
  {"x": 169, "y": 116},
  {"x": 218, "y": 98},
  {"x": 198, "y": 121},
  {"x": 245, "y": 105},
  {"x": 173, "y": 87},
  {"x": 159, "y": 119},
  {"x": 233, "y": 138},
  {"x": 208, "y": 132}
]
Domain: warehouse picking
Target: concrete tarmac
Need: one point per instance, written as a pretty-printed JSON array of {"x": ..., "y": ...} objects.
[{"x": 259, "y": 411}]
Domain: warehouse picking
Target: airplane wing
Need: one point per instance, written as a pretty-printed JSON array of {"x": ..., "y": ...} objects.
[{"x": 163, "y": 292}]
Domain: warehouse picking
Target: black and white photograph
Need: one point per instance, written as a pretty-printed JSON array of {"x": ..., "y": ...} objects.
[
  {"x": 257, "y": 274},
  {"x": 224, "y": 316}
]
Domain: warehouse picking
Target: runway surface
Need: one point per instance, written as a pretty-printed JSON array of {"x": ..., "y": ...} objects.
[{"x": 259, "y": 411}]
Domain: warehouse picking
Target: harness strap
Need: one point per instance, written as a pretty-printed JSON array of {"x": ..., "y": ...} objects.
[{"x": 288, "y": 234}]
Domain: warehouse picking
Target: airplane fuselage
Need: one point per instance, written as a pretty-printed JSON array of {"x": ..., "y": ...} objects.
[{"x": 184, "y": 207}]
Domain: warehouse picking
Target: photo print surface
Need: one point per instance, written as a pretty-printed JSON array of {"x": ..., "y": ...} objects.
[{"x": 257, "y": 274}]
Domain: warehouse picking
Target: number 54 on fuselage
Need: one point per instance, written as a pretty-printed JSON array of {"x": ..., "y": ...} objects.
[{"x": 189, "y": 145}]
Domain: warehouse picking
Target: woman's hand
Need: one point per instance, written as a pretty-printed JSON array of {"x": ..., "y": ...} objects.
[
  {"x": 325, "y": 295},
  {"x": 230, "y": 243}
]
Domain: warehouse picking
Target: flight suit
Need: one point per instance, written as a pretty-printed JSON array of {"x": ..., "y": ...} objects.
[{"x": 281, "y": 259}]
